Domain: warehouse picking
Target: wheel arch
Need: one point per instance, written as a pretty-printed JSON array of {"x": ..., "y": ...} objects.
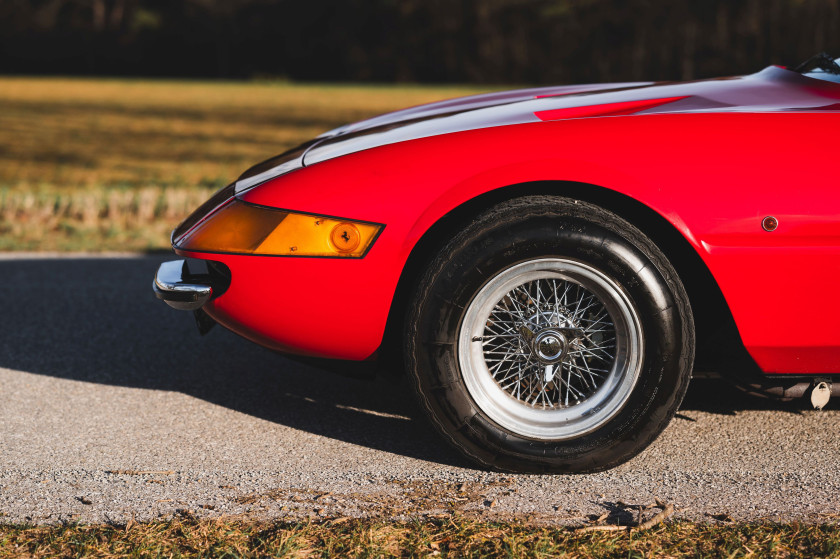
[{"x": 717, "y": 335}]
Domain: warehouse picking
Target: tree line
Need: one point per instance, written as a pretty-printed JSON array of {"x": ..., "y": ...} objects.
[{"x": 459, "y": 41}]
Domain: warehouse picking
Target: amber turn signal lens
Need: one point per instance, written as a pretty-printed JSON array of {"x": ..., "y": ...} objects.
[{"x": 244, "y": 228}]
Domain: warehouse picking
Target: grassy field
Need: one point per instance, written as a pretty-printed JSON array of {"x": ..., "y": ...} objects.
[
  {"x": 115, "y": 164},
  {"x": 440, "y": 538}
]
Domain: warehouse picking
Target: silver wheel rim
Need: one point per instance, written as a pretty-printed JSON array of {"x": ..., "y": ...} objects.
[{"x": 550, "y": 348}]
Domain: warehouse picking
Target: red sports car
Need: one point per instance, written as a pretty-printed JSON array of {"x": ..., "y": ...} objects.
[{"x": 546, "y": 263}]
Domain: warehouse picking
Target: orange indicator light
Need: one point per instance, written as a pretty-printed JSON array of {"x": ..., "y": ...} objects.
[{"x": 248, "y": 229}]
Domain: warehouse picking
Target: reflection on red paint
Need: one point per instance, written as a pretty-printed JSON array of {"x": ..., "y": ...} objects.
[{"x": 608, "y": 109}]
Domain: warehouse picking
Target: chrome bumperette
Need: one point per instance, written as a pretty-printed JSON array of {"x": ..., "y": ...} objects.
[{"x": 179, "y": 293}]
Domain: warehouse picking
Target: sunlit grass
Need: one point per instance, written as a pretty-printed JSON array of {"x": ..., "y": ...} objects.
[
  {"x": 454, "y": 537},
  {"x": 89, "y": 138},
  {"x": 64, "y": 132},
  {"x": 93, "y": 219}
]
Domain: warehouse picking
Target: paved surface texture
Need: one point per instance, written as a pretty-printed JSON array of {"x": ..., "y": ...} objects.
[{"x": 112, "y": 407}]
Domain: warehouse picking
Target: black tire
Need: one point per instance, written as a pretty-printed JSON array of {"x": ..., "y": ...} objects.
[{"x": 646, "y": 384}]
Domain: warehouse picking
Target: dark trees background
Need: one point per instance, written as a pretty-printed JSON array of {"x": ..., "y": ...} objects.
[{"x": 462, "y": 41}]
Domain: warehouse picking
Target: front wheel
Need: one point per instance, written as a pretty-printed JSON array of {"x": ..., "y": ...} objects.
[{"x": 550, "y": 336}]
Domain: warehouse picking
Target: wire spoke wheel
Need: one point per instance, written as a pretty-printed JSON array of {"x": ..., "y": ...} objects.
[
  {"x": 550, "y": 335},
  {"x": 550, "y": 348}
]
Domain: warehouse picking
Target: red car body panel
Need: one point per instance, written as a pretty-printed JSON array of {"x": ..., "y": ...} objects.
[{"x": 712, "y": 158}]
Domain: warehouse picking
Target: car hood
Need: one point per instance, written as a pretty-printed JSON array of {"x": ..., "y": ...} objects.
[
  {"x": 473, "y": 102},
  {"x": 773, "y": 89}
]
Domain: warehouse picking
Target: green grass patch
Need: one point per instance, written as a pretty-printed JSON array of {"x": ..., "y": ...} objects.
[{"x": 452, "y": 537}]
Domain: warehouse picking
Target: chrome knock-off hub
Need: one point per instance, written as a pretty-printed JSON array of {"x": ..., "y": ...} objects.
[{"x": 549, "y": 346}]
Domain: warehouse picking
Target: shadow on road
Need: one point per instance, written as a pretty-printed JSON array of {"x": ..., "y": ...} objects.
[{"x": 96, "y": 320}]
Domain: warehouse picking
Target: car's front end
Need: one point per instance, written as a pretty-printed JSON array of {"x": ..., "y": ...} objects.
[
  {"x": 277, "y": 277},
  {"x": 296, "y": 255}
]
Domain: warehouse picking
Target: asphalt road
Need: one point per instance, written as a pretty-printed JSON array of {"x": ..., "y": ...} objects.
[{"x": 112, "y": 407}]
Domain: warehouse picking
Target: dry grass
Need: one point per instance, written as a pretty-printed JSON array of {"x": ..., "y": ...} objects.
[
  {"x": 93, "y": 219},
  {"x": 72, "y": 151},
  {"x": 455, "y": 537}
]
